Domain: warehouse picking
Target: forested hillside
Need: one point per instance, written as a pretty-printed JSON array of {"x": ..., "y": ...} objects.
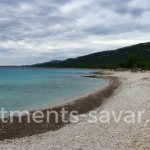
[{"x": 104, "y": 59}]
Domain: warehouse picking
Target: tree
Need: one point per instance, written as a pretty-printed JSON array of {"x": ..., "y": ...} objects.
[
  {"x": 134, "y": 59},
  {"x": 134, "y": 65},
  {"x": 121, "y": 64}
]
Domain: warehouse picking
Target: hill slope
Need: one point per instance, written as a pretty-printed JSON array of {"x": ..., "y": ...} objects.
[{"x": 104, "y": 59}]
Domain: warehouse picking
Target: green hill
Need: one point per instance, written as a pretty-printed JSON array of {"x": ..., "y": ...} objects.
[{"x": 104, "y": 59}]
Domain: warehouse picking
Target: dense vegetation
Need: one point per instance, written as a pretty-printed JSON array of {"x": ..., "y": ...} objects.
[
  {"x": 134, "y": 61},
  {"x": 104, "y": 59}
]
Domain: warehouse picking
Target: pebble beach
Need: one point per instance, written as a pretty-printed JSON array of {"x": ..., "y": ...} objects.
[{"x": 133, "y": 94}]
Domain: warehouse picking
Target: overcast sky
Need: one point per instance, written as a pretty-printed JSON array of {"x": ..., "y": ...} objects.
[{"x": 33, "y": 31}]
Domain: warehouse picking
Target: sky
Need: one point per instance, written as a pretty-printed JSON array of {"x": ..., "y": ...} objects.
[{"x": 34, "y": 31}]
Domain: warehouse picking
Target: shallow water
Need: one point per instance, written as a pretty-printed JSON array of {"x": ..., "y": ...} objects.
[{"x": 35, "y": 88}]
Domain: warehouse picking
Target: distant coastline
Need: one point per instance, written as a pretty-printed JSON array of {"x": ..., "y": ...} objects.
[{"x": 50, "y": 67}]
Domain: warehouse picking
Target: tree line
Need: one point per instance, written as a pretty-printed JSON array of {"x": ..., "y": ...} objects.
[{"x": 134, "y": 61}]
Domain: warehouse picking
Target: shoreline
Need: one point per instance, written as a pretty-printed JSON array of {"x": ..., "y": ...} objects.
[
  {"x": 131, "y": 94},
  {"x": 70, "y": 100},
  {"x": 67, "y": 102},
  {"x": 83, "y": 105}
]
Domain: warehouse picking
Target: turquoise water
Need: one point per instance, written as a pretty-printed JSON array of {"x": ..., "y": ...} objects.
[{"x": 35, "y": 88}]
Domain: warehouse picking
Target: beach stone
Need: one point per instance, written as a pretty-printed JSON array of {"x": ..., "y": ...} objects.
[{"x": 133, "y": 94}]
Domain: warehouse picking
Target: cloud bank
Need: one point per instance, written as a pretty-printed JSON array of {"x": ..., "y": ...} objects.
[{"x": 34, "y": 31}]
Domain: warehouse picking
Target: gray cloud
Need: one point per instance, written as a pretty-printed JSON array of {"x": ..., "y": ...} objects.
[{"x": 57, "y": 29}]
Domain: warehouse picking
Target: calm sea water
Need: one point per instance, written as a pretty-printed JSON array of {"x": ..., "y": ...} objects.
[{"x": 35, "y": 88}]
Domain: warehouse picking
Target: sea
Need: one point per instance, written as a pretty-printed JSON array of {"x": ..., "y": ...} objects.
[{"x": 38, "y": 88}]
